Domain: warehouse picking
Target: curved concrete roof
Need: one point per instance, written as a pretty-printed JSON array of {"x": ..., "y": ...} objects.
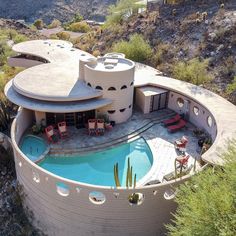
[
  {"x": 57, "y": 80},
  {"x": 222, "y": 110},
  {"x": 56, "y": 107},
  {"x": 63, "y": 84}
]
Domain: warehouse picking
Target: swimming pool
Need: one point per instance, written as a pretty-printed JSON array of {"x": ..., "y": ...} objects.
[
  {"x": 34, "y": 147},
  {"x": 97, "y": 168}
]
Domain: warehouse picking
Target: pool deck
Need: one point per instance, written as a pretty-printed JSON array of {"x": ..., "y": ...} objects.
[{"x": 149, "y": 126}]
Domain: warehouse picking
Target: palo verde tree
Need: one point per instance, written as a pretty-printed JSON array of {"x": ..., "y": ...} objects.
[
  {"x": 207, "y": 203},
  {"x": 121, "y": 11}
]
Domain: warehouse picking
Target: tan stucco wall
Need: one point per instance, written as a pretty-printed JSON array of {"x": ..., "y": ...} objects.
[
  {"x": 39, "y": 116},
  {"x": 142, "y": 102},
  {"x": 122, "y": 99},
  {"x": 22, "y": 62},
  {"x": 199, "y": 120}
]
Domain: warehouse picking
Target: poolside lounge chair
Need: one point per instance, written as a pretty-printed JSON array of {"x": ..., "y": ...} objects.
[
  {"x": 181, "y": 144},
  {"x": 51, "y": 134},
  {"x": 92, "y": 123},
  {"x": 173, "y": 128},
  {"x": 62, "y": 129},
  {"x": 100, "y": 127},
  {"x": 172, "y": 120}
]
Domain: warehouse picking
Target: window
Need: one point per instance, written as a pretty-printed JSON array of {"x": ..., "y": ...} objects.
[
  {"x": 124, "y": 87},
  {"x": 89, "y": 84},
  {"x": 112, "y": 89},
  {"x": 99, "y": 88},
  {"x": 111, "y": 111},
  {"x": 62, "y": 189},
  {"x": 122, "y": 110},
  {"x": 196, "y": 110},
  {"x": 136, "y": 199},
  {"x": 132, "y": 83},
  {"x": 209, "y": 121},
  {"x": 180, "y": 102},
  {"x": 97, "y": 198}
]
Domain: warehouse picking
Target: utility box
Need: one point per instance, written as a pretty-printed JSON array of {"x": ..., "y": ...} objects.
[{"x": 150, "y": 98}]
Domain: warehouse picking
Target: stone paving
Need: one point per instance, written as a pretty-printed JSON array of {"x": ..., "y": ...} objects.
[
  {"x": 161, "y": 142},
  {"x": 79, "y": 138}
]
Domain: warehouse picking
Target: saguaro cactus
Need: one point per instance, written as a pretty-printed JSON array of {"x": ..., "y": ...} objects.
[
  {"x": 130, "y": 182},
  {"x": 116, "y": 175}
]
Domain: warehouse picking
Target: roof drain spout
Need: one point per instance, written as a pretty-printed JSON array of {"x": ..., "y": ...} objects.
[{"x": 85, "y": 60}]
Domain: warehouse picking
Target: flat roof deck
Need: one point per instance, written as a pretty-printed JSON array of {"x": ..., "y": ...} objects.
[{"x": 160, "y": 141}]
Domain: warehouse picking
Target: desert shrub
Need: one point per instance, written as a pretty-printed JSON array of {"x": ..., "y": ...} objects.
[
  {"x": 19, "y": 38},
  {"x": 39, "y": 24},
  {"x": 53, "y": 36},
  {"x": 82, "y": 27},
  {"x": 231, "y": 87},
  {"x": 54, "y": 24},
  {"x": 136, "y": 48},
  {"x": 161, "y": 52},
  {"x": 206, "y": 203},
  {"x": 63, "y": 35},
  {"x": 193, "y": 71},
  {"x": 96, "y": 53}
]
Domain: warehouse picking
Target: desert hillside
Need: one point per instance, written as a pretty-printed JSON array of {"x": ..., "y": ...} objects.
[{"x": 50, "y": 9}]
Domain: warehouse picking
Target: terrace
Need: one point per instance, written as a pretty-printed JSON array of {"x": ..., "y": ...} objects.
[{"x": 147, "y": 126}]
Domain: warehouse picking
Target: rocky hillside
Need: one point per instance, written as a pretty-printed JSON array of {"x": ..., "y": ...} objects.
[
  {"x": 203, "y": 29},
  {"x": 50, "y": 9}
]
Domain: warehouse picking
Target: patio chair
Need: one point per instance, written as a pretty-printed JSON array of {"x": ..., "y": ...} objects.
[
  {"x": 183, "y": 161},
  {"x": 62, "y": 129},
  {"x": 51, "y": 134},
  {"x": 173, "y": 128},
  {"x": 92, "y": 123},
  {"x": 181, "y": 144},
  {"x": 100, "y": 127},
  {"x": 172, "y": 120}
]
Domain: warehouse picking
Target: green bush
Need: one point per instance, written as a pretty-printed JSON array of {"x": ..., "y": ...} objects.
[
  {"x": 54, "y": 24},
  {"x": 206, "y": 204},
  {"x": 82, "y": 27},
  {"x": 193, "y": 71},
  {"x": 231, "y": 87},
  {"x": 39, "y": 24},
  {"x": 136, "y": 49},
  {"x": 121, "y": 11}
]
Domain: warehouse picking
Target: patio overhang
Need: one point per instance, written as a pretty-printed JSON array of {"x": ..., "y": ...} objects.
[{"x": 55, "y": 107}]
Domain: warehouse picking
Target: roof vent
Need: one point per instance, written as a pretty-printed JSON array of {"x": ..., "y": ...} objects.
[{"x": 109, "y": 66}]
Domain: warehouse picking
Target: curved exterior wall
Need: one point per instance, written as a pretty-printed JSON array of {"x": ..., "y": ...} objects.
[
  {"x": 122, "y": 98},
  {"x": 199, "y": 119},
  {"x": 75, "y": 214}
]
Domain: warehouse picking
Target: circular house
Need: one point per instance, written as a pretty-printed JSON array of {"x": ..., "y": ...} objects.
[{"x": 101, "y": 144}]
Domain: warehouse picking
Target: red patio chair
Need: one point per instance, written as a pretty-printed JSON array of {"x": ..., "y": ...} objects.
[
  {"x": 183, "y": 160},
  {"x": 181, "y": 144},
  {"x": 172, "y": 120},
  {"x": 51, "y": 134},
  {"x": 100, "y": 127},
  {"x": 92, "y": 123},
  {"x": 173, "y": 128},
  {"x": 62, "y": 129}
]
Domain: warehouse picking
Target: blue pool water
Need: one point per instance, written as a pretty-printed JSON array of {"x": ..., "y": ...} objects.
[
  {"x": 33, "y": 147},
  {"x": 97, "y": 168}
]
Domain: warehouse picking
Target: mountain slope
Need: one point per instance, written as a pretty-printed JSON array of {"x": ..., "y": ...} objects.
[{"x": 30, "y": 10}]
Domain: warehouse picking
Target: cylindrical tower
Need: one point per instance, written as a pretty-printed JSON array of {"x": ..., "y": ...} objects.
[{"x": 114, "y": 76}]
